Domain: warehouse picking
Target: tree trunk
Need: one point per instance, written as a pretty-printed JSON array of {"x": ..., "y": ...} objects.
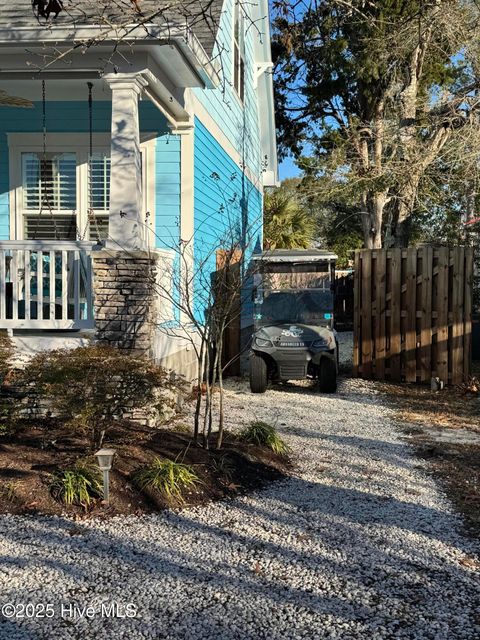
[
  {"x": 198, "y": 403},
  {"x": 208, "y": 396},
  {"x": 370, "y": 150},
  {"x": 402, "y": 233},
  {"x": 406, "y": 204},
  {"x": 372, "y": 218},
  {"x": 220, "y": 401},
  {"x": 216, "y": 364}
]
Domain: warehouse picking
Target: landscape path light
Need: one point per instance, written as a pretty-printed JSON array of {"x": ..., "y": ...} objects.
[{"x": 105, "y": 458}]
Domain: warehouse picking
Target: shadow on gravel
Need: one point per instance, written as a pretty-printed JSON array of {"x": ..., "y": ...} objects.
[
  {"x": 306, "y": 388},
  {"x": 154, "y": 561},
  {"x": 364, "y": 394},
  {"x": 393, "y": 453},
  {"x": 358, "y": 548}
]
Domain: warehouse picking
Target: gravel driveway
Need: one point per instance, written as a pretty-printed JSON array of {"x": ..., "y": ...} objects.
[{"x": 358, "y": 544}]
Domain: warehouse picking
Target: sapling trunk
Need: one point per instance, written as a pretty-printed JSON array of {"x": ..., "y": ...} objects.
[
  {"x": 220, "y": 400},
  {"x": 198, "y": 403},
  {"x": 208, "y": 397},
  {"x": 214, "y": 379}
]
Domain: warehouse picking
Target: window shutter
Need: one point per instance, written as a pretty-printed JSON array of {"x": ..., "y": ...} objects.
[
  {"x": 48, "y": 227},
  {"x": 99, "y": 182},
  {"x": 99, "y": 227},
  {"x": 50, "y": 182}
]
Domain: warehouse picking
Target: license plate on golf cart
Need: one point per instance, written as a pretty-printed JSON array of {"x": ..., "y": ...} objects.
[{"x": 293, "y": 344}]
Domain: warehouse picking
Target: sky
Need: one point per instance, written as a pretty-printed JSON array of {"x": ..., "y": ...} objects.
[{"x": 288, "y": 169}]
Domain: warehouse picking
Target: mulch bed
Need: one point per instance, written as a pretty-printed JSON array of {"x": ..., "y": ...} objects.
[
  {"x": 456, "y": 465},
  {"x": 451, "y": 407},
  {"x": 30, "y": 455}
]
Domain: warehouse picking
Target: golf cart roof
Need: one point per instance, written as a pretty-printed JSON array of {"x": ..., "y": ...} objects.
[{"x": 295, "y": 255}]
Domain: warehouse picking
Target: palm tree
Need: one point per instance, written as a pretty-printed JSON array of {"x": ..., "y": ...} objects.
[{"x": 286, "y": 223}]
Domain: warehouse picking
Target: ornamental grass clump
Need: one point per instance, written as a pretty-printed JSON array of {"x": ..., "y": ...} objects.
[
  {"x": 168, "y": 477},
  {"x": 264, "y": 435},
  {"x": 79, "y": 485},
  {"x": 224, "y": 467}
]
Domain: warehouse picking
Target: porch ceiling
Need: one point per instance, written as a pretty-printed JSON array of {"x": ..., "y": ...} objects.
[
  {"x": 179, "y": 55},
  {"x": 167, "y": 72},
  {"x": 75, "y": 90}
]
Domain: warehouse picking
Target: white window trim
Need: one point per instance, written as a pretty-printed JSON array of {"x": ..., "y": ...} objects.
[
  {"x": 77, "y": 143},
  {"x": 241, "y": 17}
]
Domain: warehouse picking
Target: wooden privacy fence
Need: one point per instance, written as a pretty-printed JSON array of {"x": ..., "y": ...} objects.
[
  {"x": 412, "y": 314},
  {"x": 228, "y": 270},
  {"x": 344, "y": 300}
]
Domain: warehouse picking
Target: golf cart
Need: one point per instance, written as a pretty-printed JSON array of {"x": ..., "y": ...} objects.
[{"x": 293, "y": 335}]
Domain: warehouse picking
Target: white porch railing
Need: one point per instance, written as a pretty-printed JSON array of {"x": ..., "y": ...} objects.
[{"x": 46, "y": 285}]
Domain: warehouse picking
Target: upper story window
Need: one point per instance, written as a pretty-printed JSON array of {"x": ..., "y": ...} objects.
[
  {"x": 49, "y": 182},
  {"x": 99, "y": 181},
  {"x": 64, "y": 194},
  {"x": 52, "y": 185},
  {"x": 239, "y": 51}
]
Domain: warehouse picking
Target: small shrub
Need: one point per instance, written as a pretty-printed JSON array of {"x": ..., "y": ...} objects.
[
  {"x": 7, "y": 407},
  {"x": 90, "y": 387},
  {"x": 79, "y": 485},
  {"x": 263, "y": 434},
  {"x": 6, "y": 353},
  {"x": 169, "y": 477},
  {"x": 182, "y": 428}
]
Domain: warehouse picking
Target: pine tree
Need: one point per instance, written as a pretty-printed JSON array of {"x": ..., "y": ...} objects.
[{"x": 374, "y": 91}]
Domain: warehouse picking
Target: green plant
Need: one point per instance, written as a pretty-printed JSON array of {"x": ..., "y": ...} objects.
[
  {"x": 263, "y": 434},
  {"x": 78, "y": 485},
  {"x": 6, "y": 353},
  {"x": 287, "y": 224},
  {"x": 224, "y": 467},
  {"x": 92, "y": 386},
  {"x": 169, "y": 477},
  {"x": 7, "y": 491},
  {"x": 183, "y": 428}
]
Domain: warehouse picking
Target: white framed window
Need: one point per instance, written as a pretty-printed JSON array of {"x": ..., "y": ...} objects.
[
  {"x": 49, "y": 186},
  {"x": 64, "y": 194},
  {"x": 99, "y": 194},
  {"x": 50, "y": 177},
  {"x": 239, "y": 51}
]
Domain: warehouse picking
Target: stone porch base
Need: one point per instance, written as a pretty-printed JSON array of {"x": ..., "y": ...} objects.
[{"x": 125, "y": 300}]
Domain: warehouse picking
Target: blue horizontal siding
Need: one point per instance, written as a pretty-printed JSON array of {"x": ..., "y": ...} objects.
[
  {"x": 168, "y": 191},
  {"x": 224, "y": 200},
  {"x": 240, "y": 123}
]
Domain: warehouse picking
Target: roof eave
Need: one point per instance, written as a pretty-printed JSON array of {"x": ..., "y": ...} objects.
[{"x": 183, "y": 39}]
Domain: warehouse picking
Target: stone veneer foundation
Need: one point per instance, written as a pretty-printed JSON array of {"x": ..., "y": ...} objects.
[{"x": 125, "y": 300}]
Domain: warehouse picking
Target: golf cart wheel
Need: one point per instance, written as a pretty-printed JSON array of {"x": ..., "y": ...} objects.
[
  {"x": 258, "y": 374},
  {"x": 327, "y": 376}
]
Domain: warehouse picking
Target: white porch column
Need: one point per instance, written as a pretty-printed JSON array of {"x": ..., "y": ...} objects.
[{"x": 126, "y": 225}]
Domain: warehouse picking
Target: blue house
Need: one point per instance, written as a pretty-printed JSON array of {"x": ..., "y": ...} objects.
[{"x": 135, "y": 143}]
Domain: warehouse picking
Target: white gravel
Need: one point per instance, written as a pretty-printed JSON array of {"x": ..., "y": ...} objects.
[{"x": 358, "y": 544}]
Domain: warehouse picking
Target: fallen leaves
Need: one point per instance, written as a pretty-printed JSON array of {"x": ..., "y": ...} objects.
[
  {"x": 76, "y": 531},
  {"x": 470, "y": 563}
]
